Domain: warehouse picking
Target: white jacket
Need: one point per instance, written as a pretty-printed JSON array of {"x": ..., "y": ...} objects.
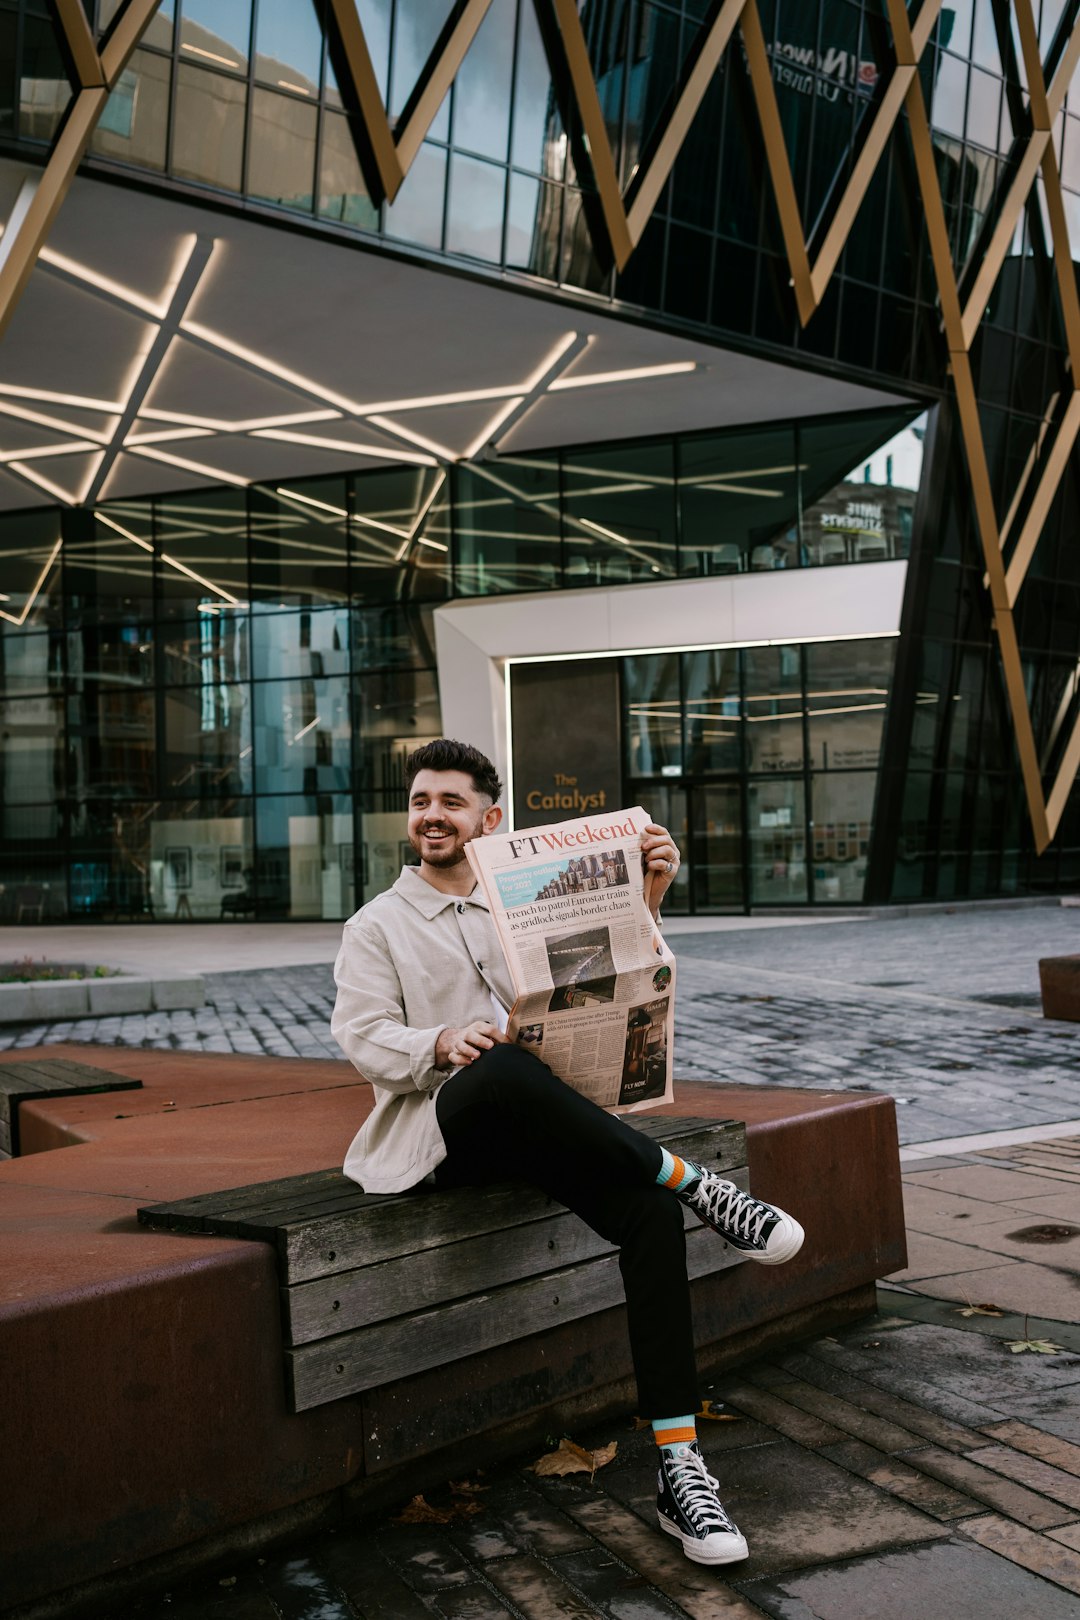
[{"x": 413, "y": 962}]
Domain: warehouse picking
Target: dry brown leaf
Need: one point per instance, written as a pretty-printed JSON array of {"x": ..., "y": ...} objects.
[
  {"x": 420, "y": 1511},
  {"x": 979, "y": 1310},
  {"x": 574, "y": 1459},
  {"x": 1040, "y": 1347},
  {"x": 716, "y": 1413},
  {"x": 642, "y": 1423},
  {"x": 466, "y": 1487}
]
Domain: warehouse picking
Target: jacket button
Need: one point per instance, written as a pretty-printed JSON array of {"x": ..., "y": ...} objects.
[
  {"x": 461, "y": 906},
  {"x": 480, "y": 965}
]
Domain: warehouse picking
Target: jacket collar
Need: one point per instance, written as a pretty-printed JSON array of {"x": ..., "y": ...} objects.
[{"x": 428, "y": 901}]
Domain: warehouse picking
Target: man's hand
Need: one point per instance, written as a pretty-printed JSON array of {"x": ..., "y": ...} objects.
[
  {"x": 660, "y": 853},
  {"x": 456, "y": 1048}
]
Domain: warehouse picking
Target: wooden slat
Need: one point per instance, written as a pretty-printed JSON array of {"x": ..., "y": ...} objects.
[
  {"x": 419, "y": 1281},
  {"x": 372, "y": 1356},
  {"x": 189, "y": 1214},
  {"x": 41, "y": 1079}
]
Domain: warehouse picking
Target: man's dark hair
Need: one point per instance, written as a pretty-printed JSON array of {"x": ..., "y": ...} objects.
[{"x": 444, "y": 754}]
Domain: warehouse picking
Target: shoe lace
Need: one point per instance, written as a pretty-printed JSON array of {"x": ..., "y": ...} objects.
[
  {"x": 727, "y": 1206},
  {"x": 694, "y": 1488}
]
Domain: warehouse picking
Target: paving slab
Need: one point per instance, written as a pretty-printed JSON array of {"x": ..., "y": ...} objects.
[
  {"x": 1026, "y": 1289},
  {"x": 944, "y": 1214},
  {"x": 941, "y": 1257},
  {"x": 987, "y": 1184}
]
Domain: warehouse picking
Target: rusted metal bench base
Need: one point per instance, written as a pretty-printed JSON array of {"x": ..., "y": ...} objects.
[
  {"x": 39, "y": 1078},
  {"x": 1059, "y": 982}
]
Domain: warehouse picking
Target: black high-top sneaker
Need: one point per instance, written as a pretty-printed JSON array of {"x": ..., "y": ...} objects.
[
  {"x": 760, "y": 1231},
  {"x": 688, "y": 1508}
]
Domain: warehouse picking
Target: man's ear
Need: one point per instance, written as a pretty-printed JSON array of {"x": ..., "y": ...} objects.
[{"x": 492, "y": 817}]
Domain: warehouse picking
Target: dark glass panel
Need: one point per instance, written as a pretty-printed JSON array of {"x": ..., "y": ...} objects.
[
  {"x": 713, "y": 716},
  {"x": 207, "y": 740},
  {"x": 343, "y": 194},
  {"x": 122, "y": 654},
  {"x": 210, "y": 646},
  {"x": 31, "y": 663},
  {"x": 302, "y": 736},
  {"x": 31, "y": 748},
  {"x": 738, "y": 501},
  {"x": 483, "y": 83},
  {"x": 533, "y": 225},
  {"x": 716, "y": 852},
  {"x": 208, "y": 129},
  {"x": 171, "y": 861},
  {"x": 950, "y": 96},
  {"x": 30, "y": 579},
  {"x": 290, "y": 644},
  {"x": 391, "y": 637},
  {"x": 202, "y": 541},
  {"x": 395, "y": 713},
  {"x": 652, "y": 715},
  {"x": 416, "y": 214},
  {"x": 860, "y": 477},
  {"x": 134, "y": 126},
  {"x": 580, "y": 263},
  {"x": 33, "y": 867},
  {"x": 305, "y": 867},
  {"x": 382, "y": 848},
  {"x": 8, "y": 72},
  {"x": 689, "y": 274},
  {"x": 539, "y": 140},
  {"x": 619, "y": 514},
  {"x": 217, "y": 32},
  {"x": 847, "y": 688},
  {"x": 843, "y": 808},
  {"x": 477, "y": 204},
  {"x": 665, "y": 803},
  {"x": 773, "y": 708},
  {"x": 777, "y": 843},
  {"x": 281, "y": 154},
  {"x": 108, "y": 567},
  {"x": 299, "y": 544},
  {"x": 111, "y": 741},
  {"x": 400, "y": 535},
  {"x": 507, "y": 527},
  {"x": 44, "y": 88},
  {"x": 288, "y": 46}
]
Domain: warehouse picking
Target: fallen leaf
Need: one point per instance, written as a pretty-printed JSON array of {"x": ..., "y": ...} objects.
[
  {"x": 420, "y": 1511},
  {"x": 466, "y": 1487},
  {"x": 979, "y": 1310},
  {"x": 227, "y": 1580},
  {"x": 1041, "y": 1347},
  {"x": 573, "y": 1459},
  {"x": 716, "y": 1413},
  {"x": 642, "y": 1423}
]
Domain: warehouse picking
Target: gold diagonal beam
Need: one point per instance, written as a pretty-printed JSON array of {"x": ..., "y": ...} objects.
[{"x": 80, "y": 42}]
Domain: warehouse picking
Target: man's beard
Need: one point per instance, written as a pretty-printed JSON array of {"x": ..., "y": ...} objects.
[{"x": 450, "y": 854}]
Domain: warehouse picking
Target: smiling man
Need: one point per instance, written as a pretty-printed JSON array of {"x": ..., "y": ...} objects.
[{"x": 422, "y": 1004}]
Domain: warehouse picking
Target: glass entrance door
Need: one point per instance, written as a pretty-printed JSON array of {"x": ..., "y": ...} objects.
[{"x": 716, "y": 848}]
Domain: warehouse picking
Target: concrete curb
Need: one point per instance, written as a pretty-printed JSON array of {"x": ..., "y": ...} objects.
[{"x": 50, "y": 1000}]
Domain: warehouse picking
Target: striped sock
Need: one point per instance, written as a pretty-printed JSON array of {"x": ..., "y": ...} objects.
[
  {"x": 676, "y": 1173},
  {"x": 676, "y": 1431}
]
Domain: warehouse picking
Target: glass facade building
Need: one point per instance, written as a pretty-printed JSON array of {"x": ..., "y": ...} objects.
[{"x": 209, "y": 684}]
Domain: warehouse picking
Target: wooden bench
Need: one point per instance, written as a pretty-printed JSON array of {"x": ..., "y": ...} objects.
[
  {"x": 378, "y": 1288},
  {"x": 39, "y": 1078}
]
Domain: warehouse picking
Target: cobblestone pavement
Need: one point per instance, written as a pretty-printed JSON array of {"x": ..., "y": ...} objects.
[{"x": 940, "y": 1011}]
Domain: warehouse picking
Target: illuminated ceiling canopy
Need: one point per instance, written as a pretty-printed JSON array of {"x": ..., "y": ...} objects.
[{"x": 162, "y": 346}]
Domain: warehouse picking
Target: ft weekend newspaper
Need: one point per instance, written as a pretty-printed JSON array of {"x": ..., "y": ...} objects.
[{"x": 594, "y": 981}]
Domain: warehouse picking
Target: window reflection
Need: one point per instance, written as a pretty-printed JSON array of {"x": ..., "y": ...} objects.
[
  {"x": 134, "y": 125},
  {"x": 203, "y": 546},
  {"x": 865, "y": 512},
  {"x": 774, "y": 708},
  {"x": 208, "y": 129},
  {"x": 312, "y": 643},
  {"x": 343, "y": 194},
  {"x": 206, "y": 647},
  {"x": 843, "y": 807},
  {"x": 653, "y": 718},
  {"x": 508, "y": 527},
  {"x": 619, "y": 514},
  {"x": 207, "y": 740},
  {"x": 281, "y": 160},
  {"x": 400, "y": 534},
  {"x": 395, "y": 714},
  {"x": 305, "y": 866},
  {"x": 847, "y": 687},
  {"x": 108, "y": 575},
  {"x": 299, "y": 544},
  {"x": 30, "y": 577},
  {"x": 738, "y": 498},
  {"x": 477, "y": 198},
  {"x": 112, "y": 736},
  {"x": 216, "y": 32},
  {"x": 712, "y": 716},
  {"x": 288, "y": 46},
  {"x": 302, "y": 736},
  {"x": 778, "y": 871}
]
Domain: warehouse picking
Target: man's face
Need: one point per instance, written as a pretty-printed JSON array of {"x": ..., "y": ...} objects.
[{"x": 445, "y": 812}]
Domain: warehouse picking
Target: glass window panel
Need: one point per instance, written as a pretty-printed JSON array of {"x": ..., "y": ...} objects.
[
  {"x": 343, "y": 194},
  {"x": 713, "y": 715},
  {"x": 392, "y": 637},
  {"x": 210, "y": 646},
  {"x": 984, "y": 110},
  {"x": 377, "y": 18},
  {"x": 477, "y": 203},
  {"x": 108, "y": 575},
  {"x": 382, "y": 848},
  {"x": 539, "y": 140},
  {"x": 985, "y": 49},
  {"x": 288, "y": 45},
  {"x": 111, "y": 742},
  {"x": 305, "y": 864},
  {"x": 290, "y": 644},
  {"x": 847, "y": 688},
  {"x": 159, "y": 30},
  {"x": 533, "y": 225},
  {"x": 665, "y": 803},
  {"x": 31, "y": 663},
  {"x": 483, "y": 83},
  {"x": 208, "y": 130},
  {"x": 120, "y": 653},
  {"x": 207, "y": 740},
  {"x": 950, "y": 94},
  {"x": 508, "y": 528},
  {"x": 281, "y": 157},
  {"x": 200, "y": 858},
  {"x": 859, "y": 485},
  {"x": 30, "y": 579},
  {"x": 774, "y": 709},
  {"x": 652, "y": 720},
  {"x": 134, "y": 126},
  {"x": 965, "y": 710},
  {"x": 417, "y": 25},
  {"x": 302, "y": 736},
  {"x": 778, "y": 874},
  {"x": 400, "y": 534},
  {"x": 716, "y": 851},
  {"x": 33, "y": 863},
  {"x": 299, "y": 544},
  {"x": 843, "y": 805},
  {"x": 619, "y": 511},
  {"x": 217, "y": 31},
  {"x": 203, "y": 564},
  {"x": 416, "y": 214},
  {"x": 395, "y": 714},
  {"x": 738, "y": 501},
  {"x": 8, "y": 75},
  {"x": 44, "y": 88},
  {"x": 31, "y": 748}
]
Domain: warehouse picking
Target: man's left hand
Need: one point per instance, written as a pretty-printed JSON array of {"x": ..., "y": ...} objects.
[{"x": 660, "y": 853}]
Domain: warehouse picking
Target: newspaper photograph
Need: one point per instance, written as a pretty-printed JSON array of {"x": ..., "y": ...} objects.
[{"x": 594, "y": 981}]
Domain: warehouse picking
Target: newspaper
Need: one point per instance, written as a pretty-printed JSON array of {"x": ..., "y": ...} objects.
[{"x": 594, "y": 982}]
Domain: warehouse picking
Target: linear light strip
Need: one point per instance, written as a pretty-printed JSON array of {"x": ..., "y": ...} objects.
[{"x": 20, "y": 619}]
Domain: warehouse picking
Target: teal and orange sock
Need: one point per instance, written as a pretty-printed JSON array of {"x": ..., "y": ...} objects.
[
  {"x": 676, "y": 1431},
  {"x": 676, "y": 1174}
]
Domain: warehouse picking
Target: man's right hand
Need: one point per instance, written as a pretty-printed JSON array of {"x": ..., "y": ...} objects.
[{"x": 456, "y": 1048}]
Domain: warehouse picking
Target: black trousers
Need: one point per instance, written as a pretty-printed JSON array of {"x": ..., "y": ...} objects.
[{"x": 507, "y": 1117}]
